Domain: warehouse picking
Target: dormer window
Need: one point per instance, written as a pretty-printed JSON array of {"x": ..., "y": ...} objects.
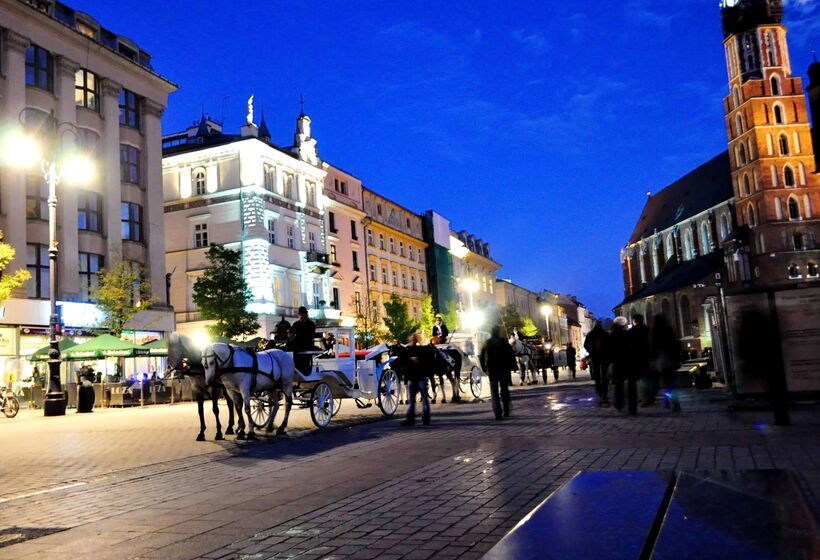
[{"x": 86, "y": 29}]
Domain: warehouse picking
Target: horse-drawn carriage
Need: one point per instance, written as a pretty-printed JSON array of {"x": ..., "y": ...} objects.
[{"x": 468, "y": 345}]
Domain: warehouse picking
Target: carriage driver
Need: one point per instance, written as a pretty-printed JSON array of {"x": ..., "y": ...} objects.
[
  {"x": 440, "y": 331},
  {"x": 301, "y": 336}
]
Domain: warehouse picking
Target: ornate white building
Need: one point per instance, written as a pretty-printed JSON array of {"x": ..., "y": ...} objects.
[{"x": 243, "y": 192}]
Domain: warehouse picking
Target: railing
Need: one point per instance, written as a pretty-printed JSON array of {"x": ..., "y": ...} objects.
[{"x": 315, "y": 257}]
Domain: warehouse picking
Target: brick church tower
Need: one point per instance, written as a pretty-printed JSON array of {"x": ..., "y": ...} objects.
[{"x": 777, "y": 191}]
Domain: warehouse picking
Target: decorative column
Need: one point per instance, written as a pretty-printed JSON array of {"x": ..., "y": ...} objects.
[
  {"x": 153, "y": 214},
  {"x": 13, "y": 180},
  {"x": 110, "y": 173},
  {"x": 68, "y": 280}
]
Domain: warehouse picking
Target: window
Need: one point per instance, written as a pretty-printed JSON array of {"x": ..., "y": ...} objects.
[
  {"x": 357, "y": 302},
  {"x": 770, "y": 49},
  {"x": 807, "y": 206},
  {"x": 312, "y": 241},
  {"x": 130, "y": 164},
  {"x": 404, "y": 280},
  {"x": 747, "y": 186},
  {"x": 85, "y": 89},
  {"x": 90, "y": 266},
  {"x": 38, "y": 266},
  {"x": 811, "y": 270},
  {"x": 739, "y": 123},
  {"x": 381, "y": 241},
  {"x": 395, "y": 279},
  {"x": 353, "y": 234},
  {"x": 421, "y": 257},
  {"x": 798, "y": 242},
  {"x": 370, "y": 237},
  {"x": 788, "y": 176},
  {"x": 778, "y": 114},
  {"x": 775, "y": 81},
  {"x": 291, "y": 239},
  {"x": 36, "y": 198},
  {"x": 751, "y": 218},
  {"x": 670, "y": 247},
  {"x": 401, "y": 248},
  {"x": 685, "y": 316},
  {"x": 379, "y": 209},
  {"x": 372, "y": 272},
  {"x": 705, "y": 239},
  {"x": 340, "y": 186},
  {"x": 86, "y": 29},
  {"x": 355, "y": 260},
  {"x": 311, "y": 194},
  {"x": 724, "y": 227},
  {"x": 736, "y": 96},
  {"x": 336, "y": 297},
  {"x": 421, "y": 284},
  {"x": 794, "y": 271},
  {"x": 269, "y": 178},
  {"x": 89, "y": 211},
  {"x": 413, "y": 282},
  {"x": 331, "y": 218},
  {"x": 784, "y": 145},
  {"x": 334, "y": 259},
  {"x": 129, "y": 109},
  {"x": 200, "y": 235},
  {"x": 288, "y": 186},
  {"x": 384, "y": 275},
  {"x": 131, "y": 218},
  {"x": 794, "y": 209},
  {"x": 742, "y": 156},
  {"x": 295, "y": 293},
  {"x": 39, "y": 68},
  {"x": 199, "y": 180},
  {"x": 277, "y": 290},
  {"x": 392, "y": 245},
  {"x": 688, "y": 245},
  {"x": 317, "y": 295},
  {"x": 271, "y": 231}
]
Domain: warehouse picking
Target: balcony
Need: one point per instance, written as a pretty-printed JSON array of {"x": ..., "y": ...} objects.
[{"x": 317, "y": 262}]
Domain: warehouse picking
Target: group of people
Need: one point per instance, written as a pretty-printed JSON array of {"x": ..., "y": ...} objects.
[{"x": 626, "y": 357}]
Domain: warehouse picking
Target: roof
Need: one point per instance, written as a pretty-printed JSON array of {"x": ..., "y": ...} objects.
[
  {"x": 701, "y": 189},
  {"x": 675, "y": 276}
]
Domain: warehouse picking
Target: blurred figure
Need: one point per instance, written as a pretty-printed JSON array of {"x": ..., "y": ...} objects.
[
  {"x": 281, "y": 330},
  {"x": 664, "y": 355},
  {"x": 622, "y": 365},
  {"x": 596, "y": 345},
  {"x": 759, "y": 348},
  {"x": 639, "y": 342},
  {"x": 571, "y": 359},
  {"x": 440, "y": 331},
  {"x": 417, "y": 363},
  {"x": 498, "y": 360}
]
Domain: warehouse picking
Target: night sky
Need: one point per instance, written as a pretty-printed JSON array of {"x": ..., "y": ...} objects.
[{"x": 538, "y": 126}]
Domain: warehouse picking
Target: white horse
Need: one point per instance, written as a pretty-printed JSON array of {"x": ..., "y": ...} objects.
[
  {"x": 244, "y": 372},
  {"x": 523, "y": 355}
]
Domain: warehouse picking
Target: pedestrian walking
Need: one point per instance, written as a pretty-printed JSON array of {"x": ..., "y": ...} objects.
[
  {"x": 639, "y": 341},
  {"x": 596, "y": 345},
  {"x": 664, "y": 356},
  {"x": 498, "y": 360},
  {"x": 622, "y": 365},
  {"x": 571, "y": 358},
  {"x": 416, "y": 360}
]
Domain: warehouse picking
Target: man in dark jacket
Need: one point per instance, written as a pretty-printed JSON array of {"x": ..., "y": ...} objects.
[
  {"x": 416, "y": 362},
  {"x": 595, "y": 344},
  {"x": 571, "y": 359},
  {"x": 300, "y": 339},
  {"x": 498, "y": 360},
  {"x": 622, "y": 365},
  {"x": 440, "y": 332}
]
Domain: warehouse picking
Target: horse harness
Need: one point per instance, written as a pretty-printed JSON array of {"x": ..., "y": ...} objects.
[{"x": 227, "y": 366}]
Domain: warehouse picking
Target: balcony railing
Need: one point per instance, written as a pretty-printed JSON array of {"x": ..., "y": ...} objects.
[{"x": 317, "y": 258}]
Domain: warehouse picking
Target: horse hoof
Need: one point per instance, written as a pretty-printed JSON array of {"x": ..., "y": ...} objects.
[
  {"x": 240, "y": 437},
  {"x": 456, "y": 399},
  {"x": 268, "y": 430},
  {"x": 252, "y": 436},
  {"x": 219, "y": 437},
  {"x": 443, "y": 401},
  {"x": 280, "y": 431},
  {"x": 200, "y": 437},
  {"x": 433, "y": 401},
  {"x": 229, "y": 432}
]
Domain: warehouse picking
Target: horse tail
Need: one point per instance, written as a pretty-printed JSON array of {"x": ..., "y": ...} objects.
[
  {"x": 288, "y": 367},
  {"x": 456, "y": 355}
]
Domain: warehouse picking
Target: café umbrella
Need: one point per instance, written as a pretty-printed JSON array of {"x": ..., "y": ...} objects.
[
  {"x": 41, "y": 355},
  {"x": 104, "y": 346},
  {"x": 156, "y": 347}
]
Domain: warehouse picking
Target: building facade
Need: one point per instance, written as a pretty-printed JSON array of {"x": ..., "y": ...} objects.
[
  {"x": 61, "y": 62},
  {"x": 474, "y": 273},
  {"x": 526, "y": 302},
  {"x": 243, "y": 192},
  {"x": 395, "y": 254},
  {"x": 344, "y": 221}
]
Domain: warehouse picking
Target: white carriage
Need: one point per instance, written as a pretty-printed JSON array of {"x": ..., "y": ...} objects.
[
  {"x": 341, "y": 372},
  {"x": 469, "y": 345}
]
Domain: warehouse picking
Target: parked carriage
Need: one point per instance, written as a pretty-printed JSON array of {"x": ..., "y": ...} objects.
[
  {"x": 469, "y": 345},
  {"x": 336, "y": 374}
]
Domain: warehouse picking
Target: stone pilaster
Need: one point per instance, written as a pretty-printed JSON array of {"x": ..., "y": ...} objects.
[
  {"x": 153, "y": 214},
  {"x": 67, "y": 235},
  {"x": 110, "y": 169}
]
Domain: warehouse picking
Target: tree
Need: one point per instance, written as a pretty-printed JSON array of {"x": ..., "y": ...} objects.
[
  {"x": 397, "y": 319},
  {"x": 428, "y": 316},
  {"x": 528, "y": 328},
  {"x": 368, "y": 331},
  {"x": 510, "y": 318},
  {"x": 122, "y": 291},
  {"x": 222, "y": 295},
  {"x": 450, "y": 316},
  {"x": 9, "y": 282}
]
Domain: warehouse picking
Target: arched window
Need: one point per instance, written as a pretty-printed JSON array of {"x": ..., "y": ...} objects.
[
  {"x": 739, "y": 123},
  {"x": 794, "y": 208},
  {"x": 775, "y": 81},
  {"x": 770, "y": 50},
  {"x": 778, "y": 208},
  {"x": 784, "y": 145},
  {"x": 724, "y": 227},
  {"x": 705, "y": 238},
  {"x": 779, "y": 114},
  {"x": 270, "y": 177},
  {"x": 670, "y": 246},
  {"x": 656, "y": 266},
  {"x": 742, "y": 154},
  {"x": 736, "y": 96},
  {"x": 807, "y": 206},
  {"x": 751, "y": 218},
  {"x": 198, "y": 178},
  {"x": 685, "y": 317},
  {"x": 748, "y": 52},
  {"x": 688, "y": 245},
  {"x": 747, "y": 185},
  {"x": 788, "y": 176}
]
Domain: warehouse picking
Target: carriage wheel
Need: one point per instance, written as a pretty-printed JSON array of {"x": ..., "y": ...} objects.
[
  {"x": 261, "y": 407},
  {"x": 337, "y": 405},
  {"x": 475, "y": 381},
  {"x": 12, "y": 406},
  {"x": 388, "y": 397},
  {"x": 321, "y": 405}
]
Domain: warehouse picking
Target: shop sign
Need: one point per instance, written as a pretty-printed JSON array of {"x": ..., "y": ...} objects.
[
  {"x": 8, "y": 341},
  {"x": 81, "y": 315}
]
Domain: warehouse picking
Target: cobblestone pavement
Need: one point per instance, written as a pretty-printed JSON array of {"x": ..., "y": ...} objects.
[{"x": 376, "y": 490}]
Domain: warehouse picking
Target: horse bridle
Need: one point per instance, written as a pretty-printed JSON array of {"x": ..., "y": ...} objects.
[{"x": 227, "y": 365}]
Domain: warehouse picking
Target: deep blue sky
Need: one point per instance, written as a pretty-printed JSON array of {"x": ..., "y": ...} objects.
[{"x": 538, "y": 126}]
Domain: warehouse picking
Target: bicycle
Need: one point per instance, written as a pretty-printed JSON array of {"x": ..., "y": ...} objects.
[{"x": 9, "y": 404}]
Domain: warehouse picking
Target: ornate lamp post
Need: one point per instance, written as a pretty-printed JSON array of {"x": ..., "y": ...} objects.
[{"x": 57, "y": 163}]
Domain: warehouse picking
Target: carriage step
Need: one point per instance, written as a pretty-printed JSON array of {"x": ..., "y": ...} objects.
[{"x": 361, "y": 405}]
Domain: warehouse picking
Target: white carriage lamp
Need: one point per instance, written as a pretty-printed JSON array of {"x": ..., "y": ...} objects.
[{"x": 59, "y": 160}]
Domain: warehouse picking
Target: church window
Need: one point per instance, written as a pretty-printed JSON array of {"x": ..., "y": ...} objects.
[
  {"x": 736, "y": 96},
  {"x": 748, "y": 52},
  {"x": 751, "y": 218},
  {"x": 794, "y": 208},
  {"x": 799, "y": 242},
  {"x": 742, "y": 154},
  {"x": 747, "y": 187},
  {"x": 807, "y": 205},
  {"x": 688, "y": 245},
  {"x": 788, "y": 176},
  {"x": 779, "y": 114},
  {"x": 705, "y": 238},
  {"x": 724, "y": 227},
  {"x": 784, "y": 145},
  {"x": 655, "y": 261},
  {"x": 739, "y": 122},
  {"x": 770, "y": 49},
  {"x": 778, "y": 208},
  {"x": 775, "y": 81},
  {"x": 670, "y": 246}
]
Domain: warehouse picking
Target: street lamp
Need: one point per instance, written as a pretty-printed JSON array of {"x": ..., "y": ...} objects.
[
  {"x": 546, "y": 310},
  {"x": 57, "y": 163},
  {"x": 473, "y": 318}
]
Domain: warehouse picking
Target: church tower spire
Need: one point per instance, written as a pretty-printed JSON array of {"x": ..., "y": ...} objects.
[{"x": 777, "y": 193}]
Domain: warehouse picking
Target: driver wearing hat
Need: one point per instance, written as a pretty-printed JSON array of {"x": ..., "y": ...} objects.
[{"x": 300, "y": 339}]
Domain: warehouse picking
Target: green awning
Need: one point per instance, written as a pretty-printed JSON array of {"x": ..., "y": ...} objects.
[
  {"x": 41, "y": 355},
  {"x": 157, "y": 347},
  {"x": 104, "y": 346}
]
